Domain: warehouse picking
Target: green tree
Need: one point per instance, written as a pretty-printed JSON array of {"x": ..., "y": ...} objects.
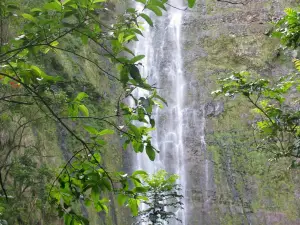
[
  {"x": 274, "y": 103},
  {"x": 161, "y": 197}
]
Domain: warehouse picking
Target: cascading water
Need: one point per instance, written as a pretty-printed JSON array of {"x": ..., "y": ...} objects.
[{"x": 162, "y": 65}]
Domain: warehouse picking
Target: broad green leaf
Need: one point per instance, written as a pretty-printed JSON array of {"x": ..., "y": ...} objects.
[
  {"x": 68, "y": 219},
  {"x": 37, "y": 71},
  {"x": 97, "y": 156},
  {"x": 100, "y": 206},
  {"x": 106, "y": 131},
  {"x": 140, "y": 189},
  {"x": 128, "y": 50},
  {"x": 162, "y": 99},
  {"x": 152, "y": 122},
  {"x": 135, "y": 73},
  {"x": 138, "y": 31},
  {"x": 95, "y": 193},
  {"x": 55, "y": 6},
  {"x": 84, "y": 110},
  {"x": 128, "y": 38},
  {"x": 107, "y": 183},
  {"x": 133, "y": 204},
  {"x": 150, "y": 152},
  {"x": 36, "y": 10},
  {"x": 131, "y": 10},
  {"x": 147, "y": 18},
  {"x": 54, "y": 43},
  {"x": 136, "y": 58},
  {"x": 135, "y": 130},
  {"x": 155, "y": 9},
  {"x": 41, "y": 74},
  {"x": 139, "y": 172},
  {"x": 91, "y": 129},
  {"x": 121, "y": 198},
  {"x": 30, "y": 17},
  {"x": 81, "y": 95},
  {"x": 121, "y": 37},
  {"x": 137, "y": 146},
  {"x": 101, "y": 142},
  {"x": 158, "y": 3},
  {"x": 159, "y": 104}
]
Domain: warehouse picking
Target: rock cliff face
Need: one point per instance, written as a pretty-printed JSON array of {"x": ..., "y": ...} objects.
[{"x": 222, "y": 186}]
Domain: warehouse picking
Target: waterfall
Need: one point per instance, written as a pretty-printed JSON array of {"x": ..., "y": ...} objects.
[{"x": 163, "y": 67}]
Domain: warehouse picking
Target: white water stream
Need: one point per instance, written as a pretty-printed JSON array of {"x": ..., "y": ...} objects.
[{"x": 162, "y": 65}]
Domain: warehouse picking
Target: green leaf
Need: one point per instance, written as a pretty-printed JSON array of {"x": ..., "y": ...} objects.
[
  {"x": 158, "y": 3},
  {"x": 107, "y": 183},
  {"x": 68, "y": 219},
  {"x": 81, "y": 95},
  {"x": 135, "y": 73},
  {"x": 83, "y": 220},
  {"x": 140, "y": 189},
  {"x": 97, "y": 156},
  {"x": 191, "y": 3},
  {"x": 36, "y": 10},
  {"x": 128, "y": 50},
  {"x": 41, "y": 74},
  {"x": 91, "y": 129},
  {"x": 139, "y": 172},
  {"x": 106, "y": 131},
  {"x": 155, "y": 9},
  {"x": 84, "y": 110},
  {"x": 128, "y": 38},
  {"x": 30, "y": 17},
  {"x": 137, "y": 147},
  {"x": 36, "y": 70},
  {"x": 101, "y": 142},
  {"x": 162, "y": 99},
  {"x": 147, "y": 18},
  {"x": 159, "y": 104},
  {"x": 136, "y": 58},
  {"x": 150, "y": 152},
  {"x": 133, "y": 206},
  {"x": 131, "y": 10},
  {"x": 152, "y": 122},
  {"x": 121, "y": 199},
  {"x": 95, "y": 193},
  {"x": 135, "y": 130},
  {"x": 55, "y": 6},
  {"x": 121, "y": 37},
  {"x": 138, "y": 31}
]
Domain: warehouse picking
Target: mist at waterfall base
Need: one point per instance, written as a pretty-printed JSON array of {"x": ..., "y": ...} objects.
[{"x": 162, "y": 66}]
